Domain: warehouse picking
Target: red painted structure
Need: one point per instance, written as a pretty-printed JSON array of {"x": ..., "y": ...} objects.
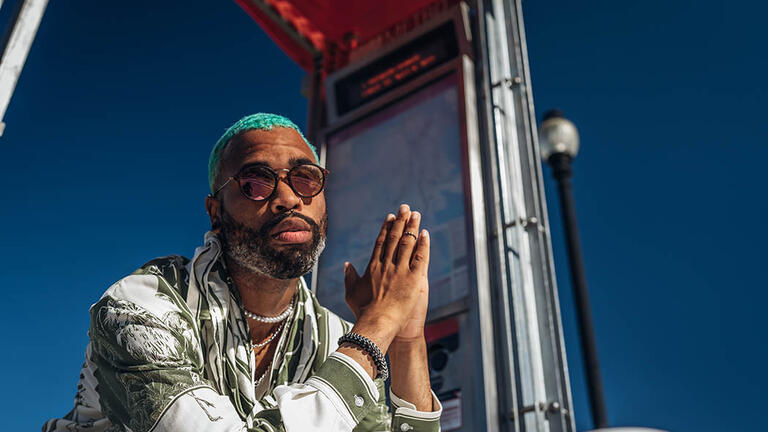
[{"x": 334, "y": 31}]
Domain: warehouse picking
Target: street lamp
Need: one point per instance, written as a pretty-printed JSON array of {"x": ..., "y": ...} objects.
[{"x": 559, "y": 142}]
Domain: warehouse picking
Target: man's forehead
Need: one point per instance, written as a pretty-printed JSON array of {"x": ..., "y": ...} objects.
[{"x": 276, "y": 146}]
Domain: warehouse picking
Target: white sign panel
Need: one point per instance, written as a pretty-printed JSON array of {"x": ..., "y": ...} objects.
[{"x": 409, "y": 152}]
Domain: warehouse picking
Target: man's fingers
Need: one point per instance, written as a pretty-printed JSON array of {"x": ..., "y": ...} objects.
[
  {"x": 395, "y": 232},
  {"x": 408, "y": 240},
  {"x": 420, "y": 259},
  {"x": 355, "y": 296},
  {"x": 381, "y": 239},
  {"x": 350, "y": 276}
]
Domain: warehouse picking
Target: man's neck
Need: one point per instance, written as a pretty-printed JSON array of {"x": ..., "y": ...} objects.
[{"x": 259, "y": 293}]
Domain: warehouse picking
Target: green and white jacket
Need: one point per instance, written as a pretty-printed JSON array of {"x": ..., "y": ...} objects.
[{"x": 170, "y": 351}]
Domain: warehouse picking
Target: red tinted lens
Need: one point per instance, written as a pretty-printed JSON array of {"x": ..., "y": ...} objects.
[
  {"x": 257, "y": 187},
  {"x": 307, "y": 180}
]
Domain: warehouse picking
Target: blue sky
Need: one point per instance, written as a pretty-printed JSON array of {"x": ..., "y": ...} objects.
[{"x": 109, "y": 130}]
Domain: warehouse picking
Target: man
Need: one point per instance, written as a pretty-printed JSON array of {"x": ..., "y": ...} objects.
[{"x": 233, "y": 340}]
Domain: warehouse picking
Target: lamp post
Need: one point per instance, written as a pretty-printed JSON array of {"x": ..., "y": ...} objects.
[{"x": 559, "y": 142}]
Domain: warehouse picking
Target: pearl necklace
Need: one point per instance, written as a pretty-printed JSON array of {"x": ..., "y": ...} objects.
[
  {"x": 269, "y": 339},
  {"x": 261, "y": 378},
  {"x": 266, "y": 319},
  {"x": 272, "y": 319}
]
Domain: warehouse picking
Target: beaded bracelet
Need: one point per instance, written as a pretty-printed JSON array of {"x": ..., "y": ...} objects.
[{"x": 382, "y": 371}]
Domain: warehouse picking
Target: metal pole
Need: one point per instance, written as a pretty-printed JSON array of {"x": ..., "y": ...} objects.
[
  {"x": 561, "y": 164},
  {"x": 16, "y": 47}
]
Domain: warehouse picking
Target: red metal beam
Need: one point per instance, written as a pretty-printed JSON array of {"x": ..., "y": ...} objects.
[{"x": 335, "y": 28}]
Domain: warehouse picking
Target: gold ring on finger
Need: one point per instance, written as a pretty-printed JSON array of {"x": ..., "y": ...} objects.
[{"x": 411, "y": 234}]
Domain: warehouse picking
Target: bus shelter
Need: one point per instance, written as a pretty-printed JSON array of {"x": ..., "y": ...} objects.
[{"x": 429, "y": 102}]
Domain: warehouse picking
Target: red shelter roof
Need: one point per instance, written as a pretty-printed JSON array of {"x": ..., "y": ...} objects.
[{"x": 334, "y": 29}]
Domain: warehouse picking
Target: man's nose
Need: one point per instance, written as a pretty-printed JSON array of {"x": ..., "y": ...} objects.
[{"x": 285, "y": 198}]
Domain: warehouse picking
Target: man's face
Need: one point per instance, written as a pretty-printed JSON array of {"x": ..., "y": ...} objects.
[{"x": 282, "y": 236}]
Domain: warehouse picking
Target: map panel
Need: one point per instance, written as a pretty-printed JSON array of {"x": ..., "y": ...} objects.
[{"x": 410, "y": 152}]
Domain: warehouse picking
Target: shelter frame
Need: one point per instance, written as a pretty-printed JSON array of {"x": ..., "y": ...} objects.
[{"x": 512, "y": 314}]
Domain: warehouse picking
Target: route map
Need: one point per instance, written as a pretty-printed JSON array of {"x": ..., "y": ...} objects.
[{"x": 410, "y": 152}]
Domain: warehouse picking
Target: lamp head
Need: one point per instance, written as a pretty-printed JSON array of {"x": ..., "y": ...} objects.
[{"x": 557, "y": 134}]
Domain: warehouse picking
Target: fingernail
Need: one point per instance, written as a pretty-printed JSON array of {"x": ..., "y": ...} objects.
[
  {"x": 425, "y": 233},
  {"x": 390, "y": 217},
  {"x": 415, "y": 215},
  {"x": 403, "y": 208}
]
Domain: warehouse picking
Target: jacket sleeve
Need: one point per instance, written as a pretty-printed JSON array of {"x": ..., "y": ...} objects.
[
  {"x": 402, "y": 417},
  {"x": 334, "y": 399}
]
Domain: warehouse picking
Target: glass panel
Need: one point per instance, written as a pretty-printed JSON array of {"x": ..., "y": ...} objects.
[{"x": 409, "y": 152}]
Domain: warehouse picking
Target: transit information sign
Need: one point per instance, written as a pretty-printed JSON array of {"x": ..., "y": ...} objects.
[
  {"x": 409, "y": 152},
  {"x": 398, "y": 67}
]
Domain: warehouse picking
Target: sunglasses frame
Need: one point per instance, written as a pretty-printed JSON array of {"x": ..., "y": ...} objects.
[{"x": 276, "y": 178}]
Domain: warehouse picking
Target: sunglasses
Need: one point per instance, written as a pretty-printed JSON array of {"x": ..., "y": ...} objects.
[{"x": 259, "y": 182}]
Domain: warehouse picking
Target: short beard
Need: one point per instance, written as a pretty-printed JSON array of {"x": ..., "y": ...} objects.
[{"x": 251, "y": 249}]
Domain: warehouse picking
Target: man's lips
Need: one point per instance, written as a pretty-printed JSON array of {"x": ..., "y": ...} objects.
[
  {"x": 294, "y": 236},
  {"x": 292, "y": 230}
]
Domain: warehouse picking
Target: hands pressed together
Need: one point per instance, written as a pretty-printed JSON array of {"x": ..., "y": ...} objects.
[
  {"x": 394, "y": 291},
  {"x": 390, "y": 303}
]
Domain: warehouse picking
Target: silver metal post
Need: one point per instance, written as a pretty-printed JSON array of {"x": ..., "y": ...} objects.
[
  {"x": 24, "y": 28},
  {"x": 536, "y": 392}
]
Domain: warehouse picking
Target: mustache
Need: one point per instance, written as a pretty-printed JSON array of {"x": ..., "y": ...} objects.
[{"x": 267, "y": 227}]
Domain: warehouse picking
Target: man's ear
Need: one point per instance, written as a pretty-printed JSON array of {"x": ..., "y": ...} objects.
[{"x": 213, "y": 207}]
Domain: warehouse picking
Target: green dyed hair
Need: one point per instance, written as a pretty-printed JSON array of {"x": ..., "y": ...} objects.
[{"x": 258, "y": 121}]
